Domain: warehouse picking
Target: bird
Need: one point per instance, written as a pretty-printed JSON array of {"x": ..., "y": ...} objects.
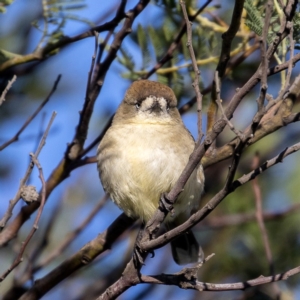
[{"x": 142, "y": 155}]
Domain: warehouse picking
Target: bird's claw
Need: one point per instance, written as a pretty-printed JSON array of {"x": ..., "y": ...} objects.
[
  {"x": 138, "y": 257},
  {"x": 166, "y": 203}
]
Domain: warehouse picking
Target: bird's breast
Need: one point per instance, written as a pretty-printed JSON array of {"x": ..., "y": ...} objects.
[{"x": 137, "y": 163}]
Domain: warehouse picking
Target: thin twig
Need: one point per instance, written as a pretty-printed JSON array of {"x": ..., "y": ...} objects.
[
  {"x": 41, "y": 54},
  {"x": 98, "y": 138},
  {"x": 41, "y": 245},
  {"x": 77, "y": 144},
  {"x": 102, "y": 46},
  {"x": 282, "y": 33},
  {"x": 261, "y": 224},
  {"x": 219, "y": 103},
  {"x": 271, "y": 71},
  {"x": 7, "y": 88},
  {"x": 23, "y": 181},
  {"x": 71, "y": 236},
  {"x": 195, "y": 84},
  {"x": 16, "y": 136},
  {"x": 19, "y": 257},
  {"x": 90, "y": 74},
  {"x": 223, "y": 221},
  {"x": 190, "y": 283},
  {"x": 290, "y": 64},
  {"x": 227, "y": 37},
  {"x": 40, "y": 129},
  {"x": 264, "y": 58}
]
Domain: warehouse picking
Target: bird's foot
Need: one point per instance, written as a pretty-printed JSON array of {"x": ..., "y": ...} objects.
[
  {"x": 166, "y": 203},
  {"x": 138, "y": 254}
]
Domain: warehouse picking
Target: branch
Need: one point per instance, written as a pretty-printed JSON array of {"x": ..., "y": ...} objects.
[
  {"x": 23, "y": 181},
  {"x": 220, "y": 222},
  {"x": 38, "y": 248},
  {"x": 195, "y": 84},
  {"x": 43, "y": 53},
  {"x": 7, "y": 88},
  {"x": 80, "y": 259},
  {"x": 261, "y": 224},
  {"x": 184, "y": 281},
  {"x": 285, "y": 26},
  {"x": 259, "y": 216},
  {"x": 261, "y": 110},
  {"x": 98, "y": 286},
  {"x": 19, "y": 257},
  {"x": 71, "y": 236},
  {"x": 16, "y": 136},
  {"x": 227, "y": 37},
  {"x": 219, "y": 103},
  {"x": 272, "y": 71},
  {"x": 95, "y": 83},
  {"x": 277, "y": 116}
]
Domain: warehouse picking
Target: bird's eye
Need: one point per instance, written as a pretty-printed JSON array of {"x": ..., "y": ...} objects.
[{"x": 137, "y": 105}]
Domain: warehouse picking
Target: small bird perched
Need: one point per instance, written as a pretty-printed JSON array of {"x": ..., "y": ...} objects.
[{"x": 143, "y": 154}]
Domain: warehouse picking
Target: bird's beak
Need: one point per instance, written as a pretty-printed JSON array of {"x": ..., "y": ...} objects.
[{"x": 156, "y": 107}]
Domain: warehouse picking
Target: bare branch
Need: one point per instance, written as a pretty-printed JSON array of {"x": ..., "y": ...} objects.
[
  {"x": 80, "y": 259},
  {"x": 186, "y": 282},
  {"x": 37, "y": 250},
  {"x": 223, "y": 221},
  {"x": 71, "y": 236},
  {"x": 23, "y": 181},
  {"x": 197, "y": 72},
  {"x": 16, "y": 137},
  {"x": 259, "y": 215},
  {"x": 219, "y": 103},
  {"x": 227, "y": 37},
  {"x": 290, "y": 65},
  {"x": 43, "y": 53},
  {"x": 261, "y": 223},
  {"x": 272, "y": 71},
  {"x": 19, "y": 257},
  {"x": 7, "y": 88},
  {"x": 97, "y": 139}
]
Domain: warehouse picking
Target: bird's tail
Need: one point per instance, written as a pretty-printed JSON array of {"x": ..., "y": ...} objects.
[{"x": 186, "y": 250}]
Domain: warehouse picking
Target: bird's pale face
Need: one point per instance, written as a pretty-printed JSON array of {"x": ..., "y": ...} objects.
[
  {"x": 153, "y": 108},
  {"x": 148, "y": 102}
]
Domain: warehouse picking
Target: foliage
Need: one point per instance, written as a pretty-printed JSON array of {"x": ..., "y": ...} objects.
[{"x": 255, "y": 21}]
